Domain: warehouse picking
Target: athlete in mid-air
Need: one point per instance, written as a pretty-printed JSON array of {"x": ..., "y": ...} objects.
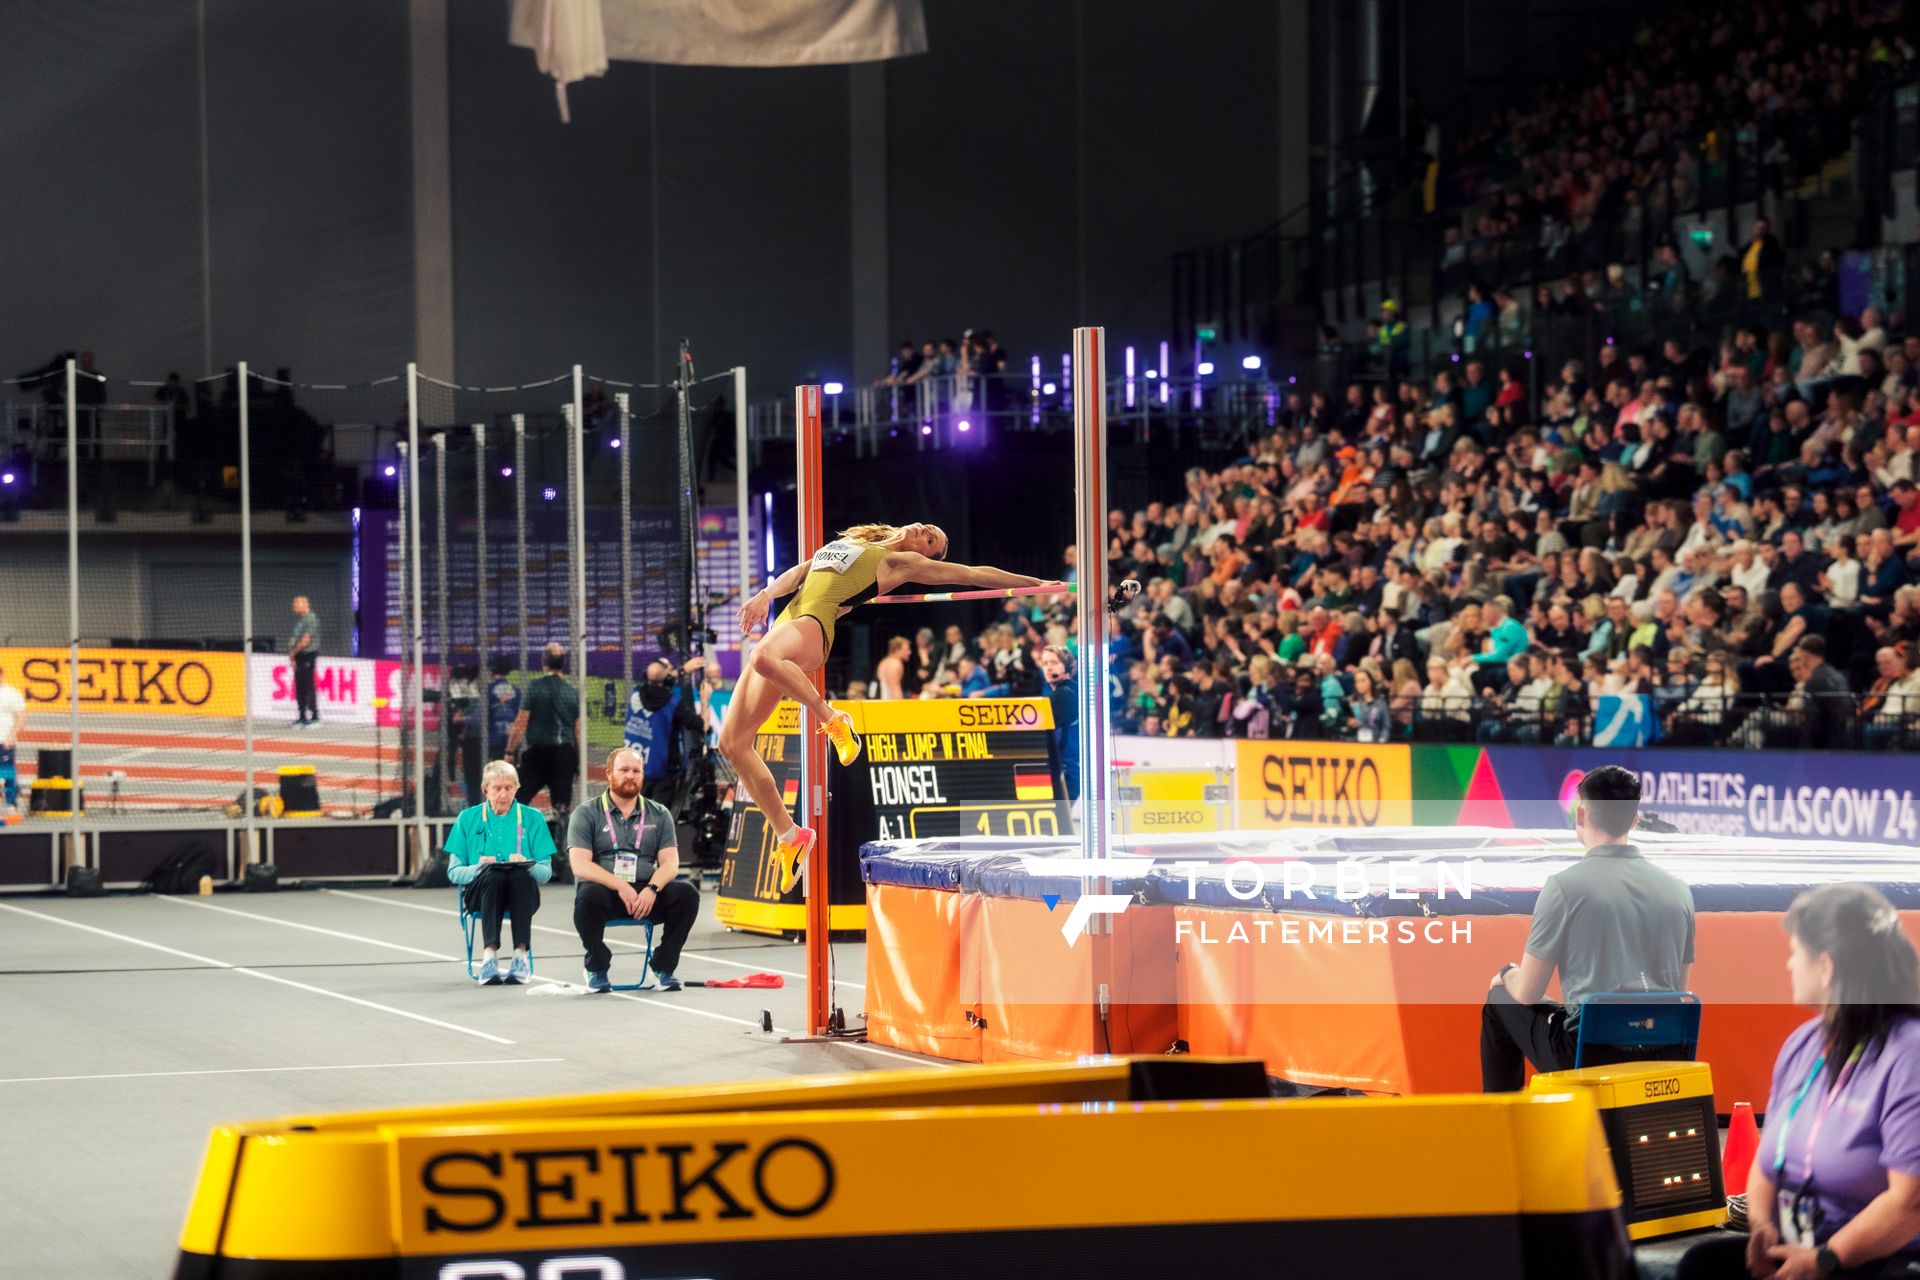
[{"x": 863, "y": 562}]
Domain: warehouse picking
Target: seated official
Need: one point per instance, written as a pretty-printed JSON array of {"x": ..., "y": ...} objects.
[
  {"x": 1613, "y": 922},
  {"x": 486, "y": 847},
  {"x": 1835, "y": 1185},
  {"x": 625, "y": 855}
]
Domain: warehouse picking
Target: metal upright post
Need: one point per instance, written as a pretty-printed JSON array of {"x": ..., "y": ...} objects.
[
  {"x": 1090, "y": 488},
  {"x": 246, "y": 612},
  {"x": 445, "y": 644},
  {"x": 520, "y": 530},
  {"x": 624, "y": 400},
  {"x": 741, "y": 497},
  {"x": 483, "y": 577},
  {"x": 813, "y": 753},
  {"x": 416, "y": 694},
  {"x": 404, "y": 506},
  {"x": 576, "y": 479},
  {"x": 73, "y": 610}
]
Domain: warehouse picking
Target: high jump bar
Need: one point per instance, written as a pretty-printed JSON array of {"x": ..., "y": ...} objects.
[{"x": 993, "y": 593}]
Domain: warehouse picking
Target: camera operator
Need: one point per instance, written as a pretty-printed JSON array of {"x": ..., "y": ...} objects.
[
  {"x": 659, "y": 711},
  {"x": 1061, "y": 669}
]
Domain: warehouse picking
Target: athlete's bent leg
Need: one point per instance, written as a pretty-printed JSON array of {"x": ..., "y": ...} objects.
[
  {"x": 753, "y": 701},
  {"x": 788, "y": 657}
]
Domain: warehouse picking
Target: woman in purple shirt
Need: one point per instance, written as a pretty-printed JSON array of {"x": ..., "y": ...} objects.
[{"x": 1835, "y": 1186}]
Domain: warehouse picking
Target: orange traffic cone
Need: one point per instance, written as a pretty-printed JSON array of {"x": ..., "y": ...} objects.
[{"x": 1743, "y": 1139}]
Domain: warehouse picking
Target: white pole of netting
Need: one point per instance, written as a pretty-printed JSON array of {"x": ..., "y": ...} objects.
[
  {"x": 520, "y": 531},
  {"x": 246, "y": 613},
  {"x": 624, "y": 400},
  {"x": 445, "y": 638},
  {"x": 404, "y": 501},
  {"x": 483, "y": 577},
  {"x": 742, "y": 498},
  {"x": 416, "y": 695},
  {"x": 577, "y": 481},
  {"x": 73, "y": 611}
]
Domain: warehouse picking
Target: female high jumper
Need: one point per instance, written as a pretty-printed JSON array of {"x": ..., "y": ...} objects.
[{"x": 863, "y": 562}]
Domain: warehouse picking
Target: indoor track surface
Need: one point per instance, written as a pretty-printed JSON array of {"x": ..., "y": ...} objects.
[{"x": 133, "y": 1025}]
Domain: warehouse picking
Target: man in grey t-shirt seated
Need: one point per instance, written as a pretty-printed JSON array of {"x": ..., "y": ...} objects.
[
  {"x": 1614, "y": 922},
  {"x": 625, "y": 855}
]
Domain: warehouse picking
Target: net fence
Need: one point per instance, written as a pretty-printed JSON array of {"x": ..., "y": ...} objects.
[{"x": 410, "y": 548}]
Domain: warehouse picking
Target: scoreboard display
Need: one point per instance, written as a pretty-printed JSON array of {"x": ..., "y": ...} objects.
[{"x": 973, "y": 766}]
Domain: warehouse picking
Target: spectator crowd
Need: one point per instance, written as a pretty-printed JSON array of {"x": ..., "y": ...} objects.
[
  {"x": 1731, "y": 532},
  {"x": 1768, "y": 89}
]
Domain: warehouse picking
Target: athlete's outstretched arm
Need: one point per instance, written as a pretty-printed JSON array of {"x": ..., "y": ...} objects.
[
  {"x": 754, "y": 611},
  {"x": 911, "y": 566}
]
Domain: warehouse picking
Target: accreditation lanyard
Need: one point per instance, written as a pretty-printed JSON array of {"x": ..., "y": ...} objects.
[
  {"x": 519, "y": 829},
  {"x": 606, "y": 814},
  {"x": 1819, "y": 1117}
]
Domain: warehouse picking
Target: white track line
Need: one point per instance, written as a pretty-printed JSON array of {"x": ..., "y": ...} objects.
[
  {"x": 655, "y": 1002},
  {"x": 255, "y": 973},
  {"x": 708, "y": 956},
  {"x": 436, "y": 955},
  {"x": 247, "y": 1071}
]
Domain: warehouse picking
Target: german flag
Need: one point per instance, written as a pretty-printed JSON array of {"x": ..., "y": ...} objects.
[
  {"x": 790, "y": 793},
  {"x": 1032, "y": 786}
]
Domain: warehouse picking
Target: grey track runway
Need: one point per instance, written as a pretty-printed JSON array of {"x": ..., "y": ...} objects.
[{"x": 133, "y": 1025}]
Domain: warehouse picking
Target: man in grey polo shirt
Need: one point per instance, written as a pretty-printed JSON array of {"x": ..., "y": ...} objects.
[
  {"x": 625, "y": 855},
  {"x": 1613, "y": 922}
]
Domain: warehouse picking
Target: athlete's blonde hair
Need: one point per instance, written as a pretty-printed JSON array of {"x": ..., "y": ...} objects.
[{"x": 874, "y": 535}]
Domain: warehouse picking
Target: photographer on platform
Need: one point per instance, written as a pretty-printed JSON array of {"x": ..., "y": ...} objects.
[
  {"x": 625, "y": 855},
  {"x": 660, "y": 712},
  {"x": 484, "y": 846},
  {"x": 1612, "y": 922}
]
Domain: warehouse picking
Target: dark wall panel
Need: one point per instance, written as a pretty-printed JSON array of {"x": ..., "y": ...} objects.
[
  {"x": 756, "y": 259},
  {"x": 981, "y": 176},
  {"x": 311, "y": 176},
  {"x": 1182, "y": 146},
  {"x": 552, "y": 227},
  {"x": 101, "y": 212},
  {"x": 553, "y": 222}
]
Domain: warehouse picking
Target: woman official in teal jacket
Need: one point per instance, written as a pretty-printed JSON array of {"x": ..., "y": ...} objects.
[{"x": 500, "y": 852}]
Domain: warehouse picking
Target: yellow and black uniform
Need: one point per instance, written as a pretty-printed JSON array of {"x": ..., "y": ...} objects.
[{"x": 842, "y": 574}]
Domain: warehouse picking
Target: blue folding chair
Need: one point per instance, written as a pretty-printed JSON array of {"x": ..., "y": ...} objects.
[
  {"x": 646, "y": 982},
  {"x": 470, "y": 927},
  {"x": 1638, "y": 1026}
]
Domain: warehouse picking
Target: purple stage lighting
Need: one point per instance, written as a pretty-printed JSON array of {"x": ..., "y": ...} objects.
[
  {"x": 549, "y": 493},
  {"x": 7, "y": 477},
  {"x": 965, "y": 425},
  {"x": 506, "y": 473},
  {"x": 1250, "y": 362},
  {"x": 926, "y": 428},
  {"x": 615, "y": 442},
  {"x": 392, "y": 471}
]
